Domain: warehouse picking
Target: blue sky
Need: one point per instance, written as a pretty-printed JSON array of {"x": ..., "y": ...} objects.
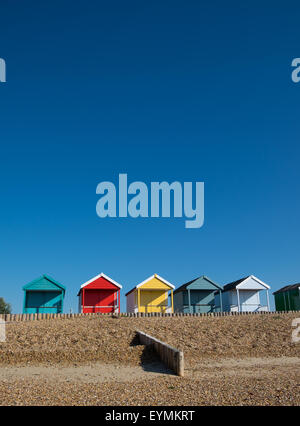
[{"x": 161, "y": 90}]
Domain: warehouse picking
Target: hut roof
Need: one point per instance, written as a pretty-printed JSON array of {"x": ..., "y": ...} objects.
[
  {"x": 202, "y": 277},
  {"x": 148, "y": 279},
  {"x": 102, "y": 275},
  {"x": 44, "y": 282},
  {"x": 235, "y": 284},
  {"x": 288, "y": 288}
]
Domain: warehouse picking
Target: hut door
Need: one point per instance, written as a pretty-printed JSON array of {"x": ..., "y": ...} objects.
[
  {"x": 43, "y": 302},
  {"x": 100, "y": 300},
  {"x": 202, "y": 301},
  {"x": 51, "y": 302},
  {"x": 249, "y": 300},
  {"x": 34, "y": 300},
  {"x": 154, "y": 300}
]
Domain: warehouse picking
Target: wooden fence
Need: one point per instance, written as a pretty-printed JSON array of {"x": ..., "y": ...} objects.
[
  {"x": 35, "y": 317},
  {"x": 171, "y": 357}
]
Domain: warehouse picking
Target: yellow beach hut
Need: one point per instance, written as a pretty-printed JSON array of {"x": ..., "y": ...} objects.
[{"x": 151, "y": 295}]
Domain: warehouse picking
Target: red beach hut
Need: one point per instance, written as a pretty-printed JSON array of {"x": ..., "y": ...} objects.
[{"x": 100, "y": 294}]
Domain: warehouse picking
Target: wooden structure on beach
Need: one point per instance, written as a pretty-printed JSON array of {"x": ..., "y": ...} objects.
[
  {"x": 43, "y": 295},
  {"x": 151, "y": 295},
  {"x": 198, "y": 296},
  {"x": 100, "y": 294}
]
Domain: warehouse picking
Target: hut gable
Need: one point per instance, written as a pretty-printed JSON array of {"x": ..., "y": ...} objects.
[
  {"x": 288, "y": 288},
  {"x": 155, "y": 282},
  {"x": 44, "y": 283},
  {"x": 248, "y": 283},
  {"x": 203, "y": 283},
  {"x": 253, "y": 283},
  {"x": 101, "y": 281},
  {"x": 200, "y": 283}
]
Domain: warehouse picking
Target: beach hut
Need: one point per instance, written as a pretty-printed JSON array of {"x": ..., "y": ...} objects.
[
  {"x": 43, "y": 295},
  {"x": 288, "y": 298},
  {"x": 100, "y": 294},
  {"x": 243, "y": 295},
  {"x": 151, "y": 295},
  {"x": 197, "y": 296}
]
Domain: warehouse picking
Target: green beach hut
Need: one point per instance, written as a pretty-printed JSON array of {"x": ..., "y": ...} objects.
[
  {"x": 197, "y": 296},
  {"x": 43, "y": 295},
  {"x": 287, "y": 298}
]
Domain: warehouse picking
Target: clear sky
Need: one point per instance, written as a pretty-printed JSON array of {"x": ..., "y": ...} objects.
[{"x": 160, "y": 90}]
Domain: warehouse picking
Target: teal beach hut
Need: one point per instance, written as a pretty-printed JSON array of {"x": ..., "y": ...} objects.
[
  {"x": 197, "y": 296},
  {"x": 43, "y": 295}
]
